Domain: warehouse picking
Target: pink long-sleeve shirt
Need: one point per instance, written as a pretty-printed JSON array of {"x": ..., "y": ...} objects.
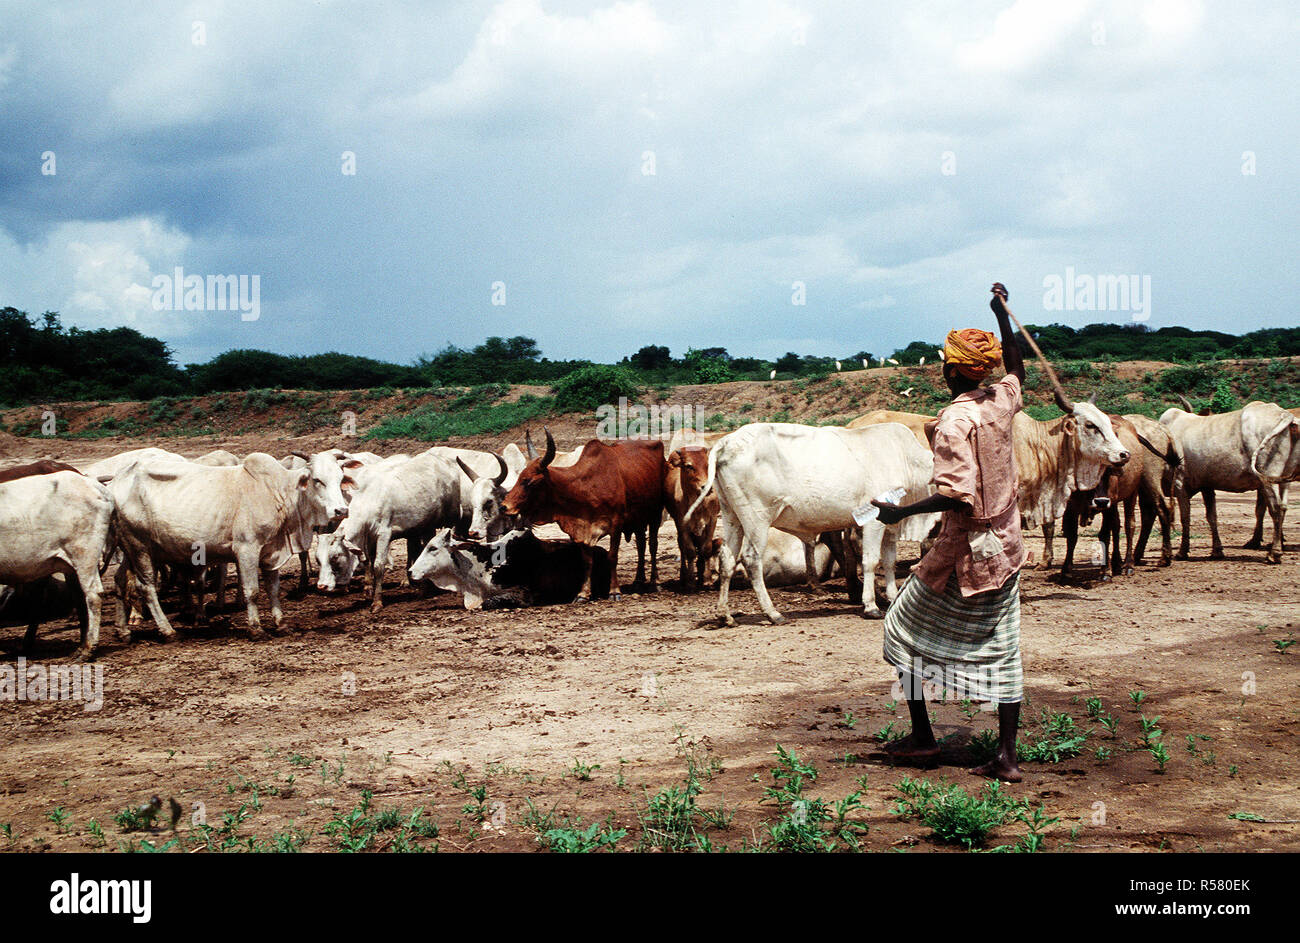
[{"x": 974, "y": 462}]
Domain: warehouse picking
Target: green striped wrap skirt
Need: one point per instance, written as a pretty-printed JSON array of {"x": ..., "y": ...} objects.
[{"x": 966, "y": 645}]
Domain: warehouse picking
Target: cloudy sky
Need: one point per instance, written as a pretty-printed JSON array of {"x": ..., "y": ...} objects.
[{"x": 644, "y": 172}]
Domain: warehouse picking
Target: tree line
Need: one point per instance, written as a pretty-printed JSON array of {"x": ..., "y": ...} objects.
[{"x": 41, "y": 360}]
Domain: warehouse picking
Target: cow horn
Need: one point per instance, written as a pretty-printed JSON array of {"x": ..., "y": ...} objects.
[
  {"x": 1187, "y": 404},
  {"x": 469, "y": 472},
  {"x": 1093, "y": 399},
  {"x": 528, "y": 444},
  {"x": 550, "y": 448},
  {"x": 305, "y": 458},
  {"x": 504, "y": 470}
]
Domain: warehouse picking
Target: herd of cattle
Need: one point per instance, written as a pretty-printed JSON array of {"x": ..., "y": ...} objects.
[{"x": 787, "y": 502}]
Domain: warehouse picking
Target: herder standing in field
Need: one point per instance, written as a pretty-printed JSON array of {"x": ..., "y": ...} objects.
[{"x": 957, "y": 621}]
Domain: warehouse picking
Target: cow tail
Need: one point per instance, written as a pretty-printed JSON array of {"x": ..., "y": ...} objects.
[
  {"x": 1169, "y": 456},
  {"x": 1276, "y": 430},
  {"x": 708, "y": 482}
]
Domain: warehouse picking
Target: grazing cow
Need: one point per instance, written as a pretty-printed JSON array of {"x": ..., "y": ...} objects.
[
  {"x": 44, "y": 466},
  {"x": 807, "y": 480},
  {"x": 408, "y": 499},
  {"x": 257, "y": 514},
  {"x": 614, "y": 489},
  {"x": 56, "y": 523},
  {"x": 486, "y": 480},
  {"x": 687, "y": 469},
  {"x": 914, "y": 421},
  {"x": 1058, "y": 457},
  {"x": 786, "y": 559},
  {"x": 517, "y": 569},
  {"x": 1256, "y": 448}
]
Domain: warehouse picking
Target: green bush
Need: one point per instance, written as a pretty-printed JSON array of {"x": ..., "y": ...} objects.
[{"x": 587, "y": 388}]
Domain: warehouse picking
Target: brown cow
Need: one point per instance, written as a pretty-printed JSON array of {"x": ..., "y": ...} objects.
[
  {"x": 687, "y": 469},
  {"x": 1138, "y": 480},
  {"x": 614, "y": 489},
  {"x": 45, "y": 466}
]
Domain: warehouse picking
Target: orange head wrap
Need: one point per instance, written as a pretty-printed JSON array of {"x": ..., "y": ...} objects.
[{"x": 974, "y": 353}]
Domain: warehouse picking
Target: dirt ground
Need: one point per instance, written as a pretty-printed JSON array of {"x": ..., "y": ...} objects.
[{"x": 586, "y": 711}]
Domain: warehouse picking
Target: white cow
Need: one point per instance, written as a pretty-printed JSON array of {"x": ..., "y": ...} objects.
[
  {"x": 218, "y": 458},
  {"x": 487, "y": 478},
  {"x": 106, "y": 468},
  {"x": 56, "y": 523},
  {"x": 1249, "y": 449},
  {"x": 410, "y": 499},
  {"x": 257, "y": 514},
  {"x": 807, "y": 480}
]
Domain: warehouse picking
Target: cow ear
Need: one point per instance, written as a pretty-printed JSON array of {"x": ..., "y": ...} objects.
[
  {"x": 352, "y": 463},
  {"x": 350, "y": 547},
  {"x": 1071, "y": 425},
  {"x": 675, "y": 460},
  {"x": 304, "y": 476},
  {"x": 348, "y": 484}
]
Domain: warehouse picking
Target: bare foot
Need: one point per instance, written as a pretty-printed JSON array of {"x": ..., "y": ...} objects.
[
  {"x": 999, "y": 768},
  {"x": 909, "y": 752}
]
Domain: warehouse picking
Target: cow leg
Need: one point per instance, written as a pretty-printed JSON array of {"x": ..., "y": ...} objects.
[
  {"x": 615, "y": 589},
  {"x": 872, "y": 537},
  {"x": 810, "y": 567},
  {"x": 378, "y": 567},
  {"x": 1256, "y": 541},
  {"x": 272, "y": 577},
  {"x": 1147, "y": 508},
  {"x": 1165, "y": 512},
  {"x": 849, "y": 564},
  {"x": 639, "y": 582},
  {"x": 1071, "y": 525},
  {"x": 304, "y": 575},
  {"x": 1276, "y": 511},
  {"x": 751, "y": 554},
  {"x": 29, "y": 638},
  {"x": 728, "y": 555},
  {"x": 1130, "y": 510},
  {"x": 91, "y": 590},
  {"x": 1049, "y": 532},
  {"x": 246, "y": 564},
  {"x": 652, "y": 537},
  {"x": 688, "y": 555},
  {"x": 1212, "y": 518},
  {"x": 889, "y": 561},
  {"x": 147, "y": 581},
  {"x": 219, "y": 590},
  {"x": 1185, "y": 522}
]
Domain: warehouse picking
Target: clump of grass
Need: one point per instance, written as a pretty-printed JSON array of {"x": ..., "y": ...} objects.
[
  {"x": 953, "y": 815},
  {"x": 809, "y": 824}
]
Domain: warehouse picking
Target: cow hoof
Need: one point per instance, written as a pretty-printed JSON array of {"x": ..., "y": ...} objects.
[
  {"x": 1273, "y": 558},
  {"x": 124, "y": 635},
  {"x": 726, "y": 622},
  {"x": 1252, "y": 545},
  {"x": 1181, "y": 555},
  {"x": 872, "y": 614},
  {"x": 256, "y": 634},
  {"x": 777, "y": 619},
  {"x": 82, "y": 654},
  {"x": 588, "y": 598}
]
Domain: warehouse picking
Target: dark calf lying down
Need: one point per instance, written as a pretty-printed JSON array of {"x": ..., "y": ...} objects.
[{"x": 516, "y": 570}]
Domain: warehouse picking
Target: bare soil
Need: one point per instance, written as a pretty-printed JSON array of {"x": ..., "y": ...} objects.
[{"x": 425, "y": 702}]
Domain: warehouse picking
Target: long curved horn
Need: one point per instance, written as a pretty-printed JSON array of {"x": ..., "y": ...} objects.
[
  {"x": 528, "y": 444},
  {"x": 550, "y": 448},
  {"x": 504, "y": 470},
  {"x": 1187, "y": 404},
  {"x": 305, "y": 458},
  {"x": 1093, "y": 399},
  {"x": 469, "y": 472}
]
